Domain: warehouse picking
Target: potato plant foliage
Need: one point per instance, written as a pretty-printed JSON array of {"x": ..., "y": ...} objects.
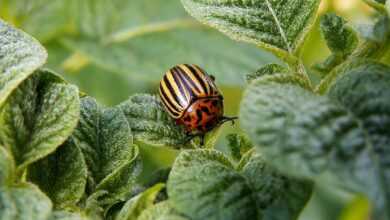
[{"x": 65, "y": 156}]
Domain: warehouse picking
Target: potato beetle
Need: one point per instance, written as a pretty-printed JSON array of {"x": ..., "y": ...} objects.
[{"x": 191, "y": 97}]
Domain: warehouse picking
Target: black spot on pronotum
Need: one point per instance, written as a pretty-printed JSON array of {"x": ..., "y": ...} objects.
[
  {"x": 215, "y": 103},
  {"x": 187, "y": 118},
  {"x": 199, "y": 113},
  {"x": 205, "y": 110}
]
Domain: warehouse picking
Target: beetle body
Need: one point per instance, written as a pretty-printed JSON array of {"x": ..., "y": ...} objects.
[{"x": 191, "y": 97}]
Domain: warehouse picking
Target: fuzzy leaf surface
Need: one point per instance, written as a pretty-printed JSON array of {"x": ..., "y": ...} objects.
[
  {"x": 268, "y": 69},
  {"x": 62, "y": 175},
  {"x": 161, "y": 211},
  {"x": 252, "y": 190},
  {"x": 278, "y": 196},
  {"x": 150, "y": 123},
  {"x": 341, "y": 39},
  {"x": 136, "y": 205},
  {"x": 276, "y": 25},
  {"x": 24, "y": 202},
  {"x": 105, "y": 139},
  {"x": 298, "y": 131},
  {"x": 208, "y": 177},
  {"x": 20, "y": 55},
  {"x": 238, "y": 145},
  {"x": 65, "y": 215},
  {"x": 7, "y": 167},
  {"x": 38, "y": 117},
  {"x": 365, "y": 92}
]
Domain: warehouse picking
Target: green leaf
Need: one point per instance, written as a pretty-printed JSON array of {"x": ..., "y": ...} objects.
[
  {"x": 278, "y": 26},
  {"x": 365, "y": 92},
  {"x": 62, "y": 175},
  {"x": 204, "y": 185},
  {"x": 279, "y": 196},
  {"x": 24, "y": 202},
  {"x": 285, "y": 78},
  {"x": 388, "y": 7},
  {"x": 329, "y": 80},
  {"x": 43, "y": 19},
  {"x": 382, "y": 29},
  {"x": 48, "y": 19},
  {"x": 151, "y": 124},
  {"x": 268, "y": 69},
  {"x": 65, "y": 215},
  {"x": 341, "y": 39},
  {"x": 96, "y": 18},
  {"x": 7, "y": 167},
  {"x": 131, "y": 51},
  {"x": 38, "y": 117},
  {"x": 161, "y": 211},
  {"x": 20, "y": 55},
  {"x": 377, "y": 5},
  {"x": 304, "y": 134},
  {"x": 238, "y": 145},
  {"x": 134, "y": 207},
  {"x": 298, "y": 131},
  {"x": 104, "y": 136}
]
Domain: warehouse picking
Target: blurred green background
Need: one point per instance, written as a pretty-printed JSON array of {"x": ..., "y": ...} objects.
[{"x": 112, "y": 49}]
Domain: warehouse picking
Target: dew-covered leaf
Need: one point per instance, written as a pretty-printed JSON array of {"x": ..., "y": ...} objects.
[
  {"x": 38, "y": 117},
  {"x": 62, "y": 175},
  {"x": 150, "y": 123},
  {"x": 7, "y": 167},
  {"x": 104, "y": 136},
  {"x": 204, "y": 185},
  {"x": 24, "y": 202},
  {"x": 161, "y": 211},
  {"x": 136, "y": 205},
  {"x": 340, "y": 38},
  {"x": 365, "y": 92},
  {"x": 268, "y": 69},
  {"x": 279, "y": 26},
  {"x": 20, "y": 55}
]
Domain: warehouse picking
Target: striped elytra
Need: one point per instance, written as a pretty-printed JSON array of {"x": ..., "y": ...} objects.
[{"x": 192, "y": 98}]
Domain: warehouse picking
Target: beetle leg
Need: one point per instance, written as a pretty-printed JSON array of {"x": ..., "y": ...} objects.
[
  {"x": 201, "y": 140},
  {"x": 226, "y": 119}
]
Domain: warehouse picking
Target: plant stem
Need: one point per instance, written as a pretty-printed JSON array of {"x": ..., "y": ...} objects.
[{"x": 299, "y": 68}]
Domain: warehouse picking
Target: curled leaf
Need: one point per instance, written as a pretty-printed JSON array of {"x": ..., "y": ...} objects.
[
  {"x": 38, "y": 117},
  {"x": 279, "y": 26},
  {"x": 20, "y": 56}
]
